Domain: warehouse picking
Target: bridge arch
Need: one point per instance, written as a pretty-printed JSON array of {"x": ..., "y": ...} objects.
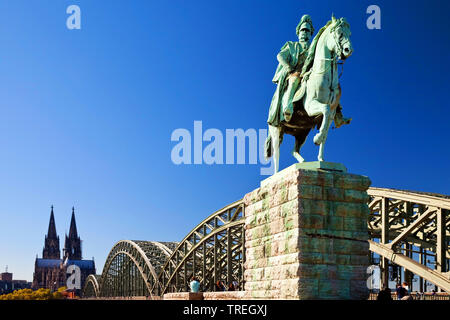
[
  {"x": 91, "y": 287},
  {"x": 131, "y": 268}
]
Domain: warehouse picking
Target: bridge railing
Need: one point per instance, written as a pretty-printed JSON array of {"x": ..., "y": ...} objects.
[{"x": 417, "y": 296}]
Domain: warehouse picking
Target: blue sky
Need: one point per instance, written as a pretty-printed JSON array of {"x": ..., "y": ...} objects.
[{"x": 86, "y": 115}]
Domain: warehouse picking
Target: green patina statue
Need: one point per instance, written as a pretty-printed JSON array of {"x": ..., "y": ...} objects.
[{"x": 308, "y": 90}]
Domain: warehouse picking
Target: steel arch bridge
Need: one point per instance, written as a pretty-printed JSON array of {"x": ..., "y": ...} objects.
[{"x": 399, "y": 221}]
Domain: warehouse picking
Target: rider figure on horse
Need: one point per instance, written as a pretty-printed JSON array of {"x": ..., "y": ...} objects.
[{"x": 291, "y": 58}]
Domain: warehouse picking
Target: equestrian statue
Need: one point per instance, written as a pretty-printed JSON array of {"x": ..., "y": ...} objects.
[{"x": 308, "y": 91}]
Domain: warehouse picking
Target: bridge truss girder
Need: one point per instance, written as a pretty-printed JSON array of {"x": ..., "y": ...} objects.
[{"x": 402, "y": 218}]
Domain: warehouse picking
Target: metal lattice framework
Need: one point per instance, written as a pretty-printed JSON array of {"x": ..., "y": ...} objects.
[
  {"x": 400, "y": 220},
  {"x": 132, "y": 268},
  {"x": 215, "y": 249}
]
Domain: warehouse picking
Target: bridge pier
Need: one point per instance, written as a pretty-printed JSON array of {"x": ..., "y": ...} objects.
[{"x": 306, "y": 236}]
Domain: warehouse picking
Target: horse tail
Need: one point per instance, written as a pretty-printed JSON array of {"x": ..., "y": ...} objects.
[{"x": 268, "y": 147}]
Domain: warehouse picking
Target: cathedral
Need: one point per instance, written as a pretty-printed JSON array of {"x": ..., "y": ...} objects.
[{"x": 50, "y": 272}]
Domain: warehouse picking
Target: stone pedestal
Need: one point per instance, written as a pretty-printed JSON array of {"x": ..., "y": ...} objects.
[{"x": 306, "y": 236}]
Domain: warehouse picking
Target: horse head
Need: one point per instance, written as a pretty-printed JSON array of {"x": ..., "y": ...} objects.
[{"x": 339, "y": 41}]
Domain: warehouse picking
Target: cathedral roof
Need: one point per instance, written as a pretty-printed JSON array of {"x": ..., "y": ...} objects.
[
  {"x": 51, "y": 263},
  {"x": 48, "y": 263},
  {"x": 83, "y": 264}
]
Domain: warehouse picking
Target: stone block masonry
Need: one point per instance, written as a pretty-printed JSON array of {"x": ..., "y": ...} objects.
[{"x": 306, "y": 236}]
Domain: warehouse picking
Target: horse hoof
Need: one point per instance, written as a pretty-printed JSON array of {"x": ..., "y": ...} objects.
[{"x": 298, "y": 157}]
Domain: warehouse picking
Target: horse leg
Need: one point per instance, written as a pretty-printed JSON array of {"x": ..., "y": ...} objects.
[
  {"x": 322, "y": 144},
  {"x": 320, "y": 155},
  {"x": 299, "y": 141},
  {"x": 275, "y": 135},
  {"x": 314, "y": 108}
]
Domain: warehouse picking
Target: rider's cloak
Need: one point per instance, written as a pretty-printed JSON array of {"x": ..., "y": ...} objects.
[{"x": 294, "y": 54}]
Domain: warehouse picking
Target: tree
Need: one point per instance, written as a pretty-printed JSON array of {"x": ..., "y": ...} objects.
[{"x": 28, "y": 294}]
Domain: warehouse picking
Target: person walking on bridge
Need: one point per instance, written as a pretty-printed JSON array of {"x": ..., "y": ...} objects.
[
  {"x": 384, "y": 295},
  {"x": 401, "y": 292},
  {"x": 195, "y": 285}
]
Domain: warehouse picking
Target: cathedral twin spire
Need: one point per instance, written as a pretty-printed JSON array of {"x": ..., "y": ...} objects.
[
  {"x": 72, "y": 244},
  {"x": 51, "y": 248},
  {"x": 51, "y": 226}
]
